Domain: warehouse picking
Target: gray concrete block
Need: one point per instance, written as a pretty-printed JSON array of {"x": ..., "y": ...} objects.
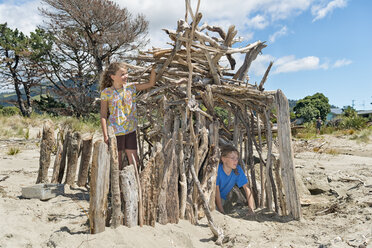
[{"x": 43, "y": 191}]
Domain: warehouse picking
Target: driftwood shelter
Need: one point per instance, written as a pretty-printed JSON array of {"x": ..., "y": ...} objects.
[{"x": 180, "y": 134}]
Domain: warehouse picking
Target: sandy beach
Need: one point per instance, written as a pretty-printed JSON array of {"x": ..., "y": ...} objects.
[{"x": 335, "y": 175}]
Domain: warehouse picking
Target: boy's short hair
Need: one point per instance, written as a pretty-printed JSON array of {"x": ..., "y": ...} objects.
[{"x": 225, "y": 150}]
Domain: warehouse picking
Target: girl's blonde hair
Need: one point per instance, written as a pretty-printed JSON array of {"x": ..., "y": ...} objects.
[{"x": 106, "y": 80}]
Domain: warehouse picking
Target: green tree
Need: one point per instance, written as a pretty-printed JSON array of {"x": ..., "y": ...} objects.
[
  {"x": 19, "y": 55},
  {"x": 313, "y": 106}
]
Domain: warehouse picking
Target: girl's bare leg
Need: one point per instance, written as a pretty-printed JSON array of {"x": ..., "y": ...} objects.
[{"x": 120, "y": 157}]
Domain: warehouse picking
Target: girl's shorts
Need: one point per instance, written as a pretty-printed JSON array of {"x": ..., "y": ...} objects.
[{"x": 127, "y": 141}]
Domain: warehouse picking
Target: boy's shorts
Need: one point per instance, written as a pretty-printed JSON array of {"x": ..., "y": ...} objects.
[{"x": 127, "y": 141}]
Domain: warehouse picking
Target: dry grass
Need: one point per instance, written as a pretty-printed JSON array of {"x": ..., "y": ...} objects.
[{"x": 13, "y": 151}]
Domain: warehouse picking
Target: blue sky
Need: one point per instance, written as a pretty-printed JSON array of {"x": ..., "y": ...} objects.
[{"x": 316, "y": 45}]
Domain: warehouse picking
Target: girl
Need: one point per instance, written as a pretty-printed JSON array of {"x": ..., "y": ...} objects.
[
  {"x": 230, "y": 173},
  {"x": 118, "y": 106}
]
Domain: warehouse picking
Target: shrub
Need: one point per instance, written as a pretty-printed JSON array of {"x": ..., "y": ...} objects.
[
  {"x": 9, "y": 111},
  {"x": 355, "y": 122}
]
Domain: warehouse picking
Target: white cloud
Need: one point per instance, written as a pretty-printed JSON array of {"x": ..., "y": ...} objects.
[
  {"x": 291, "y": 64},
  {"x": 283, "y": 31},
  {"x": 258, "y": 22},
  {"x": 24, "y": 16},
  {"x": 286, "y": 64},
  {"x": 260, "y": 64},
  {"x": 256, "y": 14},
  {"x": 342, "y": 62},
  {"x": 321, "y": 11}
]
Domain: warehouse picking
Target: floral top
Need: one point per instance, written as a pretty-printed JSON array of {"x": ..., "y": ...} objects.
[{"x": 122, "y": 108}]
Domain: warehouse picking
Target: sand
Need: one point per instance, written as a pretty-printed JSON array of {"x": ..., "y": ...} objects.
[{"x": 338, "y": 214}]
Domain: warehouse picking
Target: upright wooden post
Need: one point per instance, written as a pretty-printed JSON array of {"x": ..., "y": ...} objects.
[
  {"x": 129, "y": 188},
  {"x": 99, "y": 187},
  {"x": 46, "y": 146},
  {"x": 268, "y": 186},
  {"x": 72, "y": 155},
  {"x": 57, "y": 162},
  {"x": 117, "y": 216},
  {"x": 85, "y": 160},
  {"x": 62, "y": 166},
  {"x": 286, "y": 155},
  {"x": 150, "y": 185}
]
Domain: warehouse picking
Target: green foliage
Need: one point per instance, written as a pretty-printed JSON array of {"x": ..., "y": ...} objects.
[
  {"x": 355, "y": 122},
  {"x": 349, "y": 111},
  {"x": 313, "y": 106},
  {"x": 49, "y": 105},
  {"x": 307, "y": 132},
  {"x": 19, "y": 58},
  {"x": 9, "y": 111},
  {"x": 223, "y": 114}
]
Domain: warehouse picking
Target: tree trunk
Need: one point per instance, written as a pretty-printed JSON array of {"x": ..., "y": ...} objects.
[
  {"x": 99, "y": 187},
  {"x": 46, "y": 146}
]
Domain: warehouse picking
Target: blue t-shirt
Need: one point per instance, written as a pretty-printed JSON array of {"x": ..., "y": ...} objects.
[{"x": 227, "y": 182}]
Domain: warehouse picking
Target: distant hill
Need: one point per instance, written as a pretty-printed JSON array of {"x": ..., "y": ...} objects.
[{"x": 10, "y": 98}]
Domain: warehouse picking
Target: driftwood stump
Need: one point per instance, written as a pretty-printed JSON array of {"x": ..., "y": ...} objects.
[
  {"x": 150, "y": 184},
  {"x": 46, "y": 147},
  {"x": 85, "y": 160},
  {"x": 117, "y": 216},
  {"x": 57, "y": 162},
  {"x": 72, "y": 158},
  {"x": 62, "y": 166},
  {"x": 99, "y": 187},
  {"x": 286, "y": 156},
  {"x": 129, "y": 188}
]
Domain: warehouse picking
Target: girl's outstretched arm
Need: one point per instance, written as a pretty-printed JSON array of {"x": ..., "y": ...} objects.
[{"x": 150, "y": 83}]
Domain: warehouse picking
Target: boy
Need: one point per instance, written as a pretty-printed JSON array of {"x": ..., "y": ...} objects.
[{"x": 230, "y": 173}]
